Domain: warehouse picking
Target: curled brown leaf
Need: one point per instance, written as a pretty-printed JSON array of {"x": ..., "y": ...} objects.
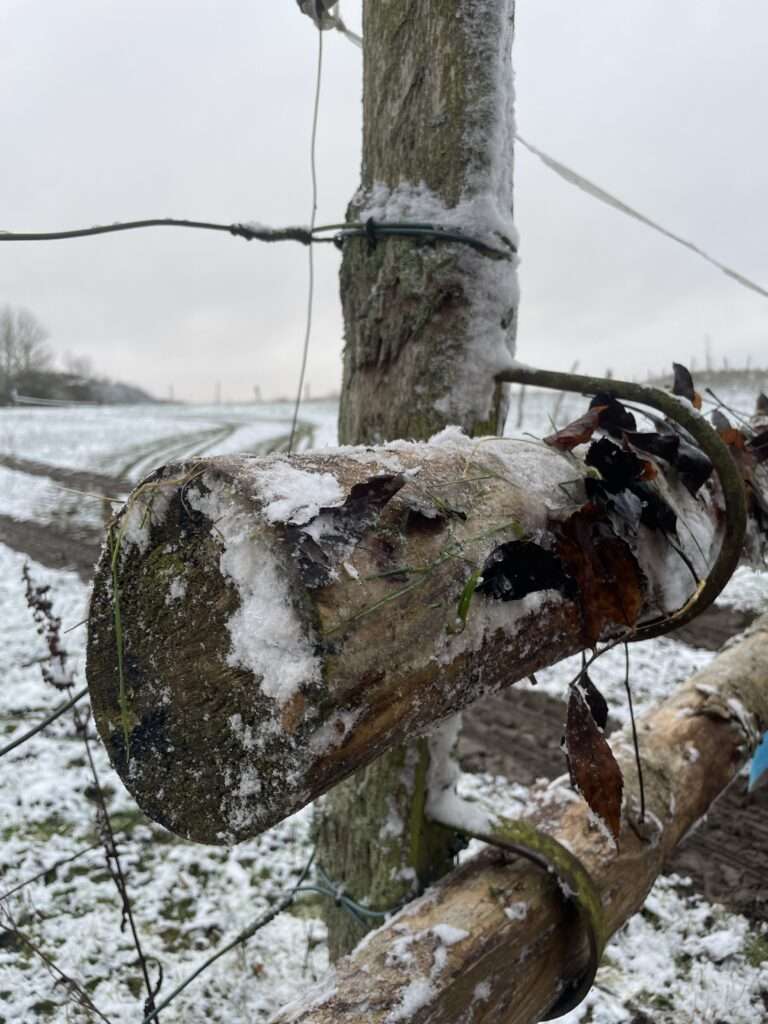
[{"x": 593, "y": 768}]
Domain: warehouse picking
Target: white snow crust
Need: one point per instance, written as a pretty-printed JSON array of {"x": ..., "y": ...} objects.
[
  {"x": 267, "y": 635},
  {"x": 295, "y": 495}
]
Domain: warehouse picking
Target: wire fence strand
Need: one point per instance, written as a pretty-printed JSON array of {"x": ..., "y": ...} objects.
[
  {"x": 56, "y": 713},
  {"x": 313, "y": 215}
]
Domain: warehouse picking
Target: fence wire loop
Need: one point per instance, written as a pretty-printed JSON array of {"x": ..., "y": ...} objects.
[{"x": 374, "y": 231}]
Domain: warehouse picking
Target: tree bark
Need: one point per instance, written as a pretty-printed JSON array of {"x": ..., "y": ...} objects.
[
  {"x": 426, "y": 327},
  {"x": 428, "y": 324},
  {"x": 260, "y": 628},
  {"x": 493, "y": 941}
]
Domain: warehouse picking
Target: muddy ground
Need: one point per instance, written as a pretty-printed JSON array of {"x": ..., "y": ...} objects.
[{"x": 516, "y": 734}]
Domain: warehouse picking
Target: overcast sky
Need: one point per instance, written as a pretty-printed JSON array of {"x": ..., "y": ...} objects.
[{"x": 139, "y": 108}]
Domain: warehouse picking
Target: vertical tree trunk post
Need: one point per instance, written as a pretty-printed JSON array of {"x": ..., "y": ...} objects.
[{"x": 427, "y": 325}]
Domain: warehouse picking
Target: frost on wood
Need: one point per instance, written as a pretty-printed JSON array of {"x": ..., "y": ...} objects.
[
  {"x": 303, "y": 639},
  {"x": 432, "y": 322}
]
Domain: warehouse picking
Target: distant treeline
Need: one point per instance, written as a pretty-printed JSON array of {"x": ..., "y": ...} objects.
[
  {"x": 751, "y": 377},
  {"x": 52, "y": 385},
  {"x": 26, "y": 369}
]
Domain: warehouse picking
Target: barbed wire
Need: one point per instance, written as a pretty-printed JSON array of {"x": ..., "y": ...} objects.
[
  {"x": 370, "y": 229},
  {"x": 326, "y": 887},
  {"x": 56, "y": 713},
  {"x": 248, "y": 230},
  {"x": 52, "y": 868}
]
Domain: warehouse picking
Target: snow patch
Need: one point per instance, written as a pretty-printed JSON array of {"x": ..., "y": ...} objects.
[
  {"x": 333, "y": 732},
  {"x": 448, "y": 935},
  {"x": 144, "y": 509},
  {"x": 443, "y": 803},
  {"x": 295, "y": 495},
  {"x": 516, "y": 911},
  {"x": 177, "y": 590},
  {"x": 413, "y": 998},
  {"x": 268, "y": 638}
]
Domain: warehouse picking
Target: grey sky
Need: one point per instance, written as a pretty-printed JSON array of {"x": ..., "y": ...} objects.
[{"x": 198, "y": 109}]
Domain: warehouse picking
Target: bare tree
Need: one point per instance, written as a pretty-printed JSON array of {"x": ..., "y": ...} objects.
[
  {"x": 23, "y": 345},
  {"x": 79, "y": 366}
]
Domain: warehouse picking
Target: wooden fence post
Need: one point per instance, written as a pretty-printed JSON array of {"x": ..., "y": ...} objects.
[{"x": 426, "y": 325}]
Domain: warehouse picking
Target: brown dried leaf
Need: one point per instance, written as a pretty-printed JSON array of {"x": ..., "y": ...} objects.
[
  {"x": 606, "y": 572},
  {"x": 740, "y": 447},
  {"x": 596, "y": 702},
  {"x": 683, "y": 385},
  {"x": 578, "y": 432},
  {"x": 733, "y": 437},
  {"x": 592, "y": 765}
]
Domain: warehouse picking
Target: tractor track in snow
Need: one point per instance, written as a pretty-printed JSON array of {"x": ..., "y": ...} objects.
[{"x": 61, "y": 545}]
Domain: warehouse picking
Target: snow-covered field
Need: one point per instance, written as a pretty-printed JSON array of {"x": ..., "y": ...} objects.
[{"x": 680, "y": 960}]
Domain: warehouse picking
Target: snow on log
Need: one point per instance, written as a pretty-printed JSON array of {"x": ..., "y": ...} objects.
[
  {"x": 494, "y": 940},
  {"x": 262, "y": 627}
]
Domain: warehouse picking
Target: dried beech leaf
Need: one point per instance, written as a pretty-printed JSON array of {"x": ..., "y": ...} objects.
[
  {"x": 578, "y": 432},
  {"x": 618, "y": 468},
  {"x": 623, "y": 510},
  {"x": 691, "y": 463},
  {"x": 608, "y": 577},
  {"x": 592, "y": 765},
  {"x": 734, "y": 438},
  {"x": 661, "y": 446},
  {"x": 683, "y": 385},
  {"x": 655, "y": 512},
  {"x": 729, "y": 435},
  {"x": 720, "y": 421},
  {"x": 597, "y": 703},
  {"x": 683, "y": 382},
  {"x": 614, "y": 418},
  {"x": 693, "y": 466}
]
